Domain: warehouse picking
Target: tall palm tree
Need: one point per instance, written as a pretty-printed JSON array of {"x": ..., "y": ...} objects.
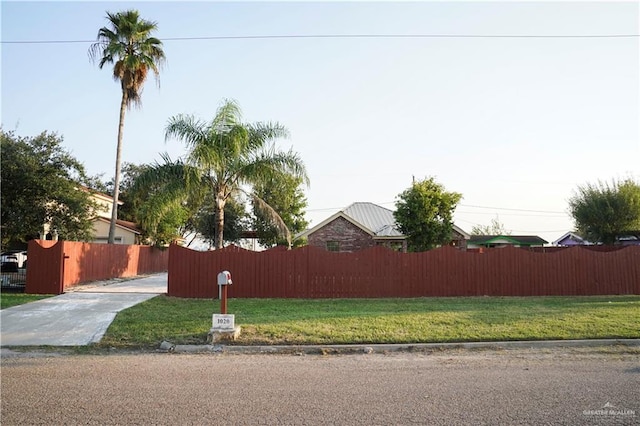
[
  {"x": 127, "y": 43},
  {"x": 224, "y": 157}
]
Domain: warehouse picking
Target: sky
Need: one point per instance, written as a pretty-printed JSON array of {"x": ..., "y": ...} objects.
[{"x": 514, "y": 124}]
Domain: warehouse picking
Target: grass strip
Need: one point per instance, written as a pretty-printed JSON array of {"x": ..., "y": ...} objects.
[
  {"x": 8, "y": 300},
  {"x": 369, "y": 321}
]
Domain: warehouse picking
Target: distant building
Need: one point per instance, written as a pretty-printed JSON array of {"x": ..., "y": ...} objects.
[
  {"x": 362, "y": 225},
  {"x": 571, "y": 239},
  {"x": 126, "y": 232},
  {"x": 629, "y": 238},
  {"x": 497, "y": 241}
]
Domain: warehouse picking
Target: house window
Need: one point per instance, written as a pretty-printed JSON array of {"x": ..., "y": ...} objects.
[{"x": 333, "y": 246}]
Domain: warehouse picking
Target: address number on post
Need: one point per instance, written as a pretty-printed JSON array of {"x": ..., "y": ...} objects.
[{"x": 223, "y": 322}]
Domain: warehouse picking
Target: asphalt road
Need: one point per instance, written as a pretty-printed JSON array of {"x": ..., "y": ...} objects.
[{"x": 539, "y": 386}]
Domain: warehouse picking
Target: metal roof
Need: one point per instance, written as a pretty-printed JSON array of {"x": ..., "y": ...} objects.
[
  {"x": 372, "y": 218},
  {"x": 518, "y": 239},
  {"x": 378, "y": 220}
]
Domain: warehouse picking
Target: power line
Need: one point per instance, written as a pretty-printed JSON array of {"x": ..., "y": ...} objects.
[
  {"x": 509, "y": 209},
  {"x": 515, "y": 230},
  {"x": 546, "y": 212},
  {"x": 348, "y": 36},
  {"x": 515, "y": 214}
]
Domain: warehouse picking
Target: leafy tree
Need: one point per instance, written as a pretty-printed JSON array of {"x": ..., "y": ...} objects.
[
  {"x": 42, "y": 183},
  {"x": 603, "y": 212},
  {"x": 226, "y": 157},
  {"x": 144, "y": 188},
  {"x": 424, "y": 214},
  {"x": 495, "y": 228},
  {"x": 171, "y": 225},
  {"x": 132, "y": 200},
  {"x": 127, "y": 43},
  {"x": 285, "y": 195}
]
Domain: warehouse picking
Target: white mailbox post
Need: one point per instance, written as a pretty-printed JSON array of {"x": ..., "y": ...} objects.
[{"x": 223, "y": 322}]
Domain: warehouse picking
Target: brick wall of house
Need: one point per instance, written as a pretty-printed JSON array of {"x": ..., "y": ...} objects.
[
  {"x": 349, "y": 236},
  {"x": 458, "y": 240}
]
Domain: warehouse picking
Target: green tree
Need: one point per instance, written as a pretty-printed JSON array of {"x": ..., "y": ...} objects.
[
  {"x": 127, "y": 43},
  {"x": 225, "y": 158},
  {"x": 235, "y": 221},
  {"x": 495, "y": 228},
  {"x": 161, "y": 229},
  {"x": 286, "y": 196},
  {"x": 42, "y": 183},
  {"x": 424, "y": 214},
  {"x": 605, "y": 211},
  {"x": 132, "y": 200},
  {"x": 147, "y": 190}
]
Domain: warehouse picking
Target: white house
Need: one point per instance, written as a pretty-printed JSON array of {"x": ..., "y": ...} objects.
[{"x": 126, "y": 232}]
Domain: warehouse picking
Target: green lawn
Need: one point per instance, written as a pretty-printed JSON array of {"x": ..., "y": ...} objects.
[
  {"x": 8, "y": 300},
  {"x": 343, "y": 321}
]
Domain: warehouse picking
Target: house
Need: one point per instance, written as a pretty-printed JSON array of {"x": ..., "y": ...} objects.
[
  {"x": 126, "y": 232},
  {"x": 362, "y": 225},
  {"x": 493, "y": 241},
  {"x": 628, "y": 238},
  {"x": 571, "y": 239}
]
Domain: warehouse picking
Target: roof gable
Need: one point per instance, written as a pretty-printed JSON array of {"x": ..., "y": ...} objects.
[
  {"x": 123, "y": 224},
  {"x": 374, "y": 220},
  {"x": 461, "y": 232},
  {"x": 570, "y": 237}
]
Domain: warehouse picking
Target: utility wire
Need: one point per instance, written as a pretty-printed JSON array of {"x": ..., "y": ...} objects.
[
  {"x": 546, "y": 212},
  {"x": 549, "y": 216},
  {"x": 344, "y": 36},
  {"x": 509, "y": 209},
  {"x": 515, "y": 230}
]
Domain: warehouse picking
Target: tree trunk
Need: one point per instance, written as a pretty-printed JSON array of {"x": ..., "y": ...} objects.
[
  {"x": 219, "y": 237},
  {"x": 116, "y": 184}
]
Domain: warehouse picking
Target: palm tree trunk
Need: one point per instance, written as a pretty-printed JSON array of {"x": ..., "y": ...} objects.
[
  {"x": 219, "y": 237},
  {"x": 116, "y": 184}
]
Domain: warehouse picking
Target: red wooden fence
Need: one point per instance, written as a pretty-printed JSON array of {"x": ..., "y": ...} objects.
[
  {"x": 55, "y": 266},
  {"x": 44, "y": 267},
  {"x": 310, "y": 272}
]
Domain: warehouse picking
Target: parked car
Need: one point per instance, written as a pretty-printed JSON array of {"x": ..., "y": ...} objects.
[{"x": 13, "y": 259}]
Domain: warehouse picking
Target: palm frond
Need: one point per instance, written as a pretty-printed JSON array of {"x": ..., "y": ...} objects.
[
  {"x": 227, "y": 115},
  {"x": 167, "y": 188},
  {"x": 268, "y": 164},
  {"x": 261, "y": 134},
  {"x": 186, "y": 128},
  {"x": 195, "y": 133},
  {"x": 272, "y": 216}
]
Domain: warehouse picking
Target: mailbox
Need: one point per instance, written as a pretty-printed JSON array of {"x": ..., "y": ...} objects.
[{"x": 224, "y": 278}]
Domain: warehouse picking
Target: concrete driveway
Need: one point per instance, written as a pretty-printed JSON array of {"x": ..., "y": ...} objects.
[{"x": 79, "y": 317}]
